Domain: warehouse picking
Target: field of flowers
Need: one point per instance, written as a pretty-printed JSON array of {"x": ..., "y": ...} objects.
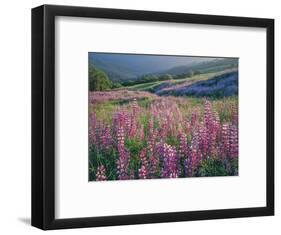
[{"x": 140, "y": 135}]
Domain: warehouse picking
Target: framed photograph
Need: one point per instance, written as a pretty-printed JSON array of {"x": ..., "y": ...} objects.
[{"x": 147, "y": 117}]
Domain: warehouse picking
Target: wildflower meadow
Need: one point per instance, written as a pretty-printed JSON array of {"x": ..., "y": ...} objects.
[{"x": 137, "y": 132}]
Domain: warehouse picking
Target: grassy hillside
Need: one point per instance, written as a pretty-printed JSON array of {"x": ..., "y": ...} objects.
[
  {"x": 207, "y": 84},
  {"x": 205, "y": 67},
  {"x": 132, "y": 69}
]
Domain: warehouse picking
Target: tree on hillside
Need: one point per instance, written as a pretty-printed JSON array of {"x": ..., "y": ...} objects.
[
  {"x": 98, "y": 80},
  {"x": 165, "y": 77},
  {"x": 149, "y": 78}
]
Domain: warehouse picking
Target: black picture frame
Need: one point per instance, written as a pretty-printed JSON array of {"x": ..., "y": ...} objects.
[{"x": 43, "y": 116}]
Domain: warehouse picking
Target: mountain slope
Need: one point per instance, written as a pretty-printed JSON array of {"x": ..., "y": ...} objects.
[
  {"x": 124, "y": 67},
  {"x": 205, "y": 67},
  {"x": 121, "y": 67}
]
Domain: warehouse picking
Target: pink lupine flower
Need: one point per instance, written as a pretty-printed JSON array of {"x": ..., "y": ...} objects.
[
  {"x": 195, "y": 159},
  {"x": 195, "y": 153},
  {"x": 212, "y": 143},
  {"x": 132, "y": 129},
  {"x": 135, "y": 111},
  {"x": 96, "y": 135},
  {"x": 124, "y": 156},
  {"x": 183, "y": 147},
  {"x": 92, "y": 128},
  {"x": 154, "y": 164},
  {"x": 123, "y": 165},
  {"x": 216, "y": 123},
  {"x": 203, "y": 140},
  {"x": 143, "y": 157},
  {"x": 151, "y": 137},
  {"x": 225, "y": 134},
  {"x": 151, "y": 151},
  {"x": 100, "y": 175},
  {"x": 184, "y": 153},
  {"x": 233, "y": 141},
  {"x": 106, "y": 138},
  {"x": 120, "y": 119},
  {"x": 212, "y": 128},
  {"x": 127, "y": 122},
  {"x": 121, "y": 138},
  {"x": 170, "y": 162},
  {"x": 143, "y": 171}
]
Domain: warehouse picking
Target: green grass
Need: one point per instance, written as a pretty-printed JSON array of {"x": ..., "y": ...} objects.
[
  {"x": 151, "y": 86},
  {"x": 143, "y": 86}
]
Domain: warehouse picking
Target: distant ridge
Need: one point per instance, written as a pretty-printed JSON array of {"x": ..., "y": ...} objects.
[{"x": 123, "y": 67}]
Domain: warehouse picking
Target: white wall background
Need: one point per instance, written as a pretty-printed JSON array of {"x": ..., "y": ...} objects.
[{"x": 15, "y": 83}]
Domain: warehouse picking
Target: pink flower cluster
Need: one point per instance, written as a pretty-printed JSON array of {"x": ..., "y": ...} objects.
[
  {"x": 100, "y": 176},
  {"x": 174, "y": 144},
  {"x": 170, "y": 161}
]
